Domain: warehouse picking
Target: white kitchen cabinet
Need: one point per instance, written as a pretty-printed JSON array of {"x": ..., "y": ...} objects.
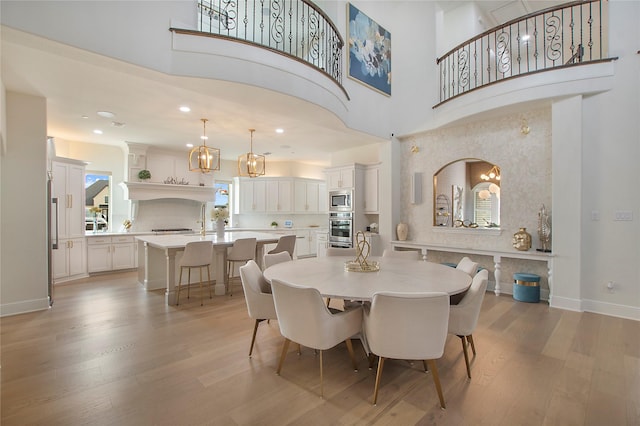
[
  {"x": 371, "y": 190},
  {"x": 68, "y": 219},
  {"x": 69, "y": 260},
  {"x": 340, "y": 178},
  {"x": 110, "y": 253},
  {"x": 302, "y": 243},
  {"x": 322, "y": 243},
  {"x": 68, "y": 188},
  {"x": 308, "y": 197},
  {"x": 278, "y": 196},
  {"x": 252, "y": 195}
]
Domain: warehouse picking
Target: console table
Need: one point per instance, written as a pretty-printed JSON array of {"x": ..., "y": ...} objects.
[{"x": 496, "y": 254}]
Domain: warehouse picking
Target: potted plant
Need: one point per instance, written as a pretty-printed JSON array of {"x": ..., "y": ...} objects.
[
  {"x": 144, "y": 175},
  {"x": 274, "y": 224}
]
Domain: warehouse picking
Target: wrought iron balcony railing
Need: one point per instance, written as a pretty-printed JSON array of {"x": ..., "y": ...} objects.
[
  {"x": 295, "y": 28},
  {"x": 562, "y": 36}
]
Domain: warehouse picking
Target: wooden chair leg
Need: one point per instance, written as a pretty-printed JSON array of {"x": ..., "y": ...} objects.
[
  {"x": 436, "y": 380},
  {"x": 378, "y": 375},
  {"x": 352, "y": 354},
  {"x": 299, "y": 349},
  {"x": 466, "y": 355},
  {"x": 188, "y": 283},
  {"x": 285, "y": 348},
  {"x": 328, "y": 301},
  {"x": 253, "y": 338},
  {"x": 200, "y": 286},
  {"x": 424, "y": 363},
  {"x": 473, "y": 346},
  {"x": 371, "y": 358},
  {"x": 209, "y": 280}
]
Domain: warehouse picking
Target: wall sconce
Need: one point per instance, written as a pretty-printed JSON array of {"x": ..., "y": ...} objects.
[{"x": 524, "y": 128}]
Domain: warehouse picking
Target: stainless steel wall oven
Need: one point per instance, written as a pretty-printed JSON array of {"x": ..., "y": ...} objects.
[{"x": 341, "y": 229}]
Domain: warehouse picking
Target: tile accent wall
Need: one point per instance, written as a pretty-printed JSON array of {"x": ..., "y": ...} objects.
[{"x": 525, "y": 163}]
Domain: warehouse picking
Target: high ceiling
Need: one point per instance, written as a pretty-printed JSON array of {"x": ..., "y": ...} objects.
[{"x": 78, "y": 84}]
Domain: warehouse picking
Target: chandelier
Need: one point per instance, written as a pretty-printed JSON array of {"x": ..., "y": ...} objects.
[
  {"x": 250, "y": 164},
  {"x": 494, "y": 173},
  {"x": 202, "y": 158}
]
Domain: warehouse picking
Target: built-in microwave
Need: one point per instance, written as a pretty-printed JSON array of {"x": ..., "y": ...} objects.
[{"x": 340, "y": 201}]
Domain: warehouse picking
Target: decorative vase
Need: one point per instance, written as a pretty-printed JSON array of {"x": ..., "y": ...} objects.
[
  {"x": 220, "y": 228},
  {"x": 522, "y": 240},
  {"x": 402, "y": 230}
]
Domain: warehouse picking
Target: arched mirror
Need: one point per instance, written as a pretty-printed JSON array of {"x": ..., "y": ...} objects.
[{"x": 473, "y": 186}]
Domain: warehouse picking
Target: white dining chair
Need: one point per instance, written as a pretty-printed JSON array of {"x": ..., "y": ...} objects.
[
  {"x": 274, "y": 258},
  {"x": 408, "y": 326},
  {"x": 242, "y": 251},
  {"x": 305, "y": 319},
  {"x": 197, "y": 254},
  {"x": 285, "y": 243},
  {"x": 257, "y": 294},
  {"x": 467, "y": 265},
  {"x": 402, "y": 254},
  {"x": 463, "y": 317},
  {"x": 341, "y": 251}
]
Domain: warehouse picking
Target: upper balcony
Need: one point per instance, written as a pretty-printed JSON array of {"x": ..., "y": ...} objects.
[{"x": 556, "y": 38}]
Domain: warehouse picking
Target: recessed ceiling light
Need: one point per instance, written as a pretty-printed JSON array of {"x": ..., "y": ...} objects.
[
  {"x": 117, "y": 124},
  {"x": 106, "y": 114},
  {"x": 285, "y": 146},
  {"x": 279, "y": 130},
  {"x": 85, "y": 117},
  {"x": 97, "y": 131},
  {"x": 189, "y": 145},
  {"x": 185, "y": 109}
]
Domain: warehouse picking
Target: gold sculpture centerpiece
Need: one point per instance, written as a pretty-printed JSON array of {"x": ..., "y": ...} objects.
[{"x": 361, "y": 262}]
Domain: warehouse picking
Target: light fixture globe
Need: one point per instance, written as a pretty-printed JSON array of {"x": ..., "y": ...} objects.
[
  {"x": 250, "y": 164},
  {"x": 203, "y": 158}
]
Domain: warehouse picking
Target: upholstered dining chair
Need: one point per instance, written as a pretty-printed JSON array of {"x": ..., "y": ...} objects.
[
  {"x": 273, "y": 258},
  {"x": 305, "y": 319},
  {"x": 467, "y": 265},
  {"x": 423, "y": 319},
  {"x": 340, "y": 251},
  {"x": 257, "y": 294},
  {"x": 403, "y": 254},
  {"x": 463, "y": 317},
  {"x": 285, "y": 243},
  {"x": 242, "y": 251},
  {"x": 197, "y": 254}
]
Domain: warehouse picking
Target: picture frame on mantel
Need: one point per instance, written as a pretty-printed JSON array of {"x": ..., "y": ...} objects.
[{"x": 369, "y": 59}]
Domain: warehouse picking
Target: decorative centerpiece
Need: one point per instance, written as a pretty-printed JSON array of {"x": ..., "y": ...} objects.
[
  {"x": 360, "y": 263},
  {"x": 144, "y": 175},
  {"x": 219, "y": 216}
]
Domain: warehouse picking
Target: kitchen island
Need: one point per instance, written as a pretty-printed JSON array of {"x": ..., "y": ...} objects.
[{"x": 159, "y": 257}]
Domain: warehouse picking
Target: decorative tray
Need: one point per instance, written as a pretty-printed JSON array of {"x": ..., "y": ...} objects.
[{"x": 355, "y": 266}]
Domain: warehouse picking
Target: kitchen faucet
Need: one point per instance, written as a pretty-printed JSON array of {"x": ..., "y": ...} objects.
[{"x": 203, "y": 221}]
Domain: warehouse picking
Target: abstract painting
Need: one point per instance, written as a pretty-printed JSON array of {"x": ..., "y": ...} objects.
[{"x": 369, "y": 51}]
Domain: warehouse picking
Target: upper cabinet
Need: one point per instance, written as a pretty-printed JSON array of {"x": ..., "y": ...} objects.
[
  {"x": 280, "y": 195},
  {"x": 310, "y": 196},
  {"x": 341, "y": 178},
  {"x": 371, "y": 179}
]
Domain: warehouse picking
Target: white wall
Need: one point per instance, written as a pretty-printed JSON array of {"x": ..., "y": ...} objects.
[{"x": 23, "y": 273}]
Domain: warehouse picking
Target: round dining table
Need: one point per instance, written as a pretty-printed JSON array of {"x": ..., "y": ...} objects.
[{"x": 328, "y": 275}]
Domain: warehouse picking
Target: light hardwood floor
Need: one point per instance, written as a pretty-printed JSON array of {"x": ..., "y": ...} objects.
[{"x": 109, "y": 353}]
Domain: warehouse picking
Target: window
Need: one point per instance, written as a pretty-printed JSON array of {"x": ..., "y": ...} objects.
[
  {"x": 486, "y": 204},
  {"x": 97, "y": 193}
]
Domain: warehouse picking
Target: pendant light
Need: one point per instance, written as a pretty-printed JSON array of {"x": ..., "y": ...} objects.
[
  {"x": 250, "y": 164},
  {"x": 493, "y": 174},
  {"x": 202, "y": 158}
]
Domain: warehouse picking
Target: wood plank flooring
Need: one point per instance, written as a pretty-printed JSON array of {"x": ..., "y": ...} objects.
[{"x": 110, "y": 353}]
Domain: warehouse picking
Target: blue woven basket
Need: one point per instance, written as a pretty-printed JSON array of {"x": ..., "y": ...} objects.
[{"x": 526, "y": 287}]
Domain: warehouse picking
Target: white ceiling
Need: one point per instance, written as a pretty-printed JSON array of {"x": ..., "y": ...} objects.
[{"x": 78, "y": 83}]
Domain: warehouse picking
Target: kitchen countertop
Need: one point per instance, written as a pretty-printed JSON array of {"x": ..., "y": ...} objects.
[{"x": 209, "y": 231}]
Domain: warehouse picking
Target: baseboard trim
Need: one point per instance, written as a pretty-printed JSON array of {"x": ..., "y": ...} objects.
[
  {"x": 22, "y": 307},
  {"x": 566, "y": 303},
  {"x": 611, "y": 309}
]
